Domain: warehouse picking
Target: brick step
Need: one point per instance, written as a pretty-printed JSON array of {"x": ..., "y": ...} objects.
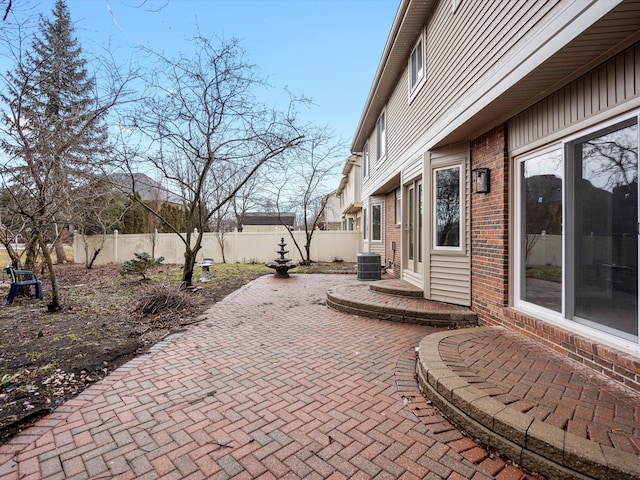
[
  {"x": 397, "y": 287},
  {"x": 507, "y": 418},
  {"x": 359, "y": 299}
]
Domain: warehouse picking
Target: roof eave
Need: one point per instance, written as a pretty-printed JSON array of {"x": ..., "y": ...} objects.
[{"x": 398, "y": 47}]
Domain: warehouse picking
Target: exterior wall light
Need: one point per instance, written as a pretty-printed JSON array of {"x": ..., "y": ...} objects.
[{"x": 480, "y": 180}]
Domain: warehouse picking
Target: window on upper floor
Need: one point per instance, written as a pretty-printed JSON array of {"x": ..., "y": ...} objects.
[
  {"x": 381, "y": 136},
  {"x": 416, "y": 66},
  {"x": 365, "y": 160}
]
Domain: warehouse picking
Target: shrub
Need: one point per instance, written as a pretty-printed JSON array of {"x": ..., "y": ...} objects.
[
  {"x": 140, "y": 264},
  {"x": 162, "y": 299}
]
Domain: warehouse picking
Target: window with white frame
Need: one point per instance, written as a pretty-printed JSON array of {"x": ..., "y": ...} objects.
[
  {"x": 447, "y": 189},
  {"x": 365, "y": 224},
  {"x": 416, "y": 65},
  {"x": 381, "y": 136},
  {"x": 576, "y": 223},
  {"x": 376, "y": 222},
  {"x": 398, "y": 206},
  {"x": 365, "y": 160}
]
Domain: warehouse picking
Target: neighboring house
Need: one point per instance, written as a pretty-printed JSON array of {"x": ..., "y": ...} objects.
[
  {"x": 329, "y": 219},
  {"x": 499, "y": 149},
  {"x": 155, "y": 195},
  {"x": 147, "y": 188},
  {"x": 268, "y": 222},
  {"x": 349, "y": 193}
]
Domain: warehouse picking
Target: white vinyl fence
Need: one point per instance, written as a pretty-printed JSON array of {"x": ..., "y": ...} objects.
[{"x": 239, "y": 247}]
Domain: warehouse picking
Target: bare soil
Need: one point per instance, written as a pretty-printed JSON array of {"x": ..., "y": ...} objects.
[{"x": 106, "y": 319}]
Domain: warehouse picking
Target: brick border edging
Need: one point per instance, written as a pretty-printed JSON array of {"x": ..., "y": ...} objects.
[{"x": 527, "y": 441}]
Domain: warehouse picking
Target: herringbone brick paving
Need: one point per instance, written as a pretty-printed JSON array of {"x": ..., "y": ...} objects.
[
  {"x": 271, "y": 385},
  {"x": 522, "y": 374}
]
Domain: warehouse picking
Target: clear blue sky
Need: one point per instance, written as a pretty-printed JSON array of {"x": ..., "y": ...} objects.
[{"x": 328, "y": 50}]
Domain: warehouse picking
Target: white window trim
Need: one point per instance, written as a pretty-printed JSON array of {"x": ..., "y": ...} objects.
[
  {"x": 365, "y": 160},
  {"x": 545, "y": 313},
  {"x": 381, "y": 138},
  {"x": 421, "y": 80},
  {"x": 381, "y": 205},
  {"x": 365, "y": 226}
]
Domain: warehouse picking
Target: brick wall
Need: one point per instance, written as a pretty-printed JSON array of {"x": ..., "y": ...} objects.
[
  {"x": 490, "y": 272},
  {"x": 392, "y": 234},
  {"x": 490, "y": 228}
]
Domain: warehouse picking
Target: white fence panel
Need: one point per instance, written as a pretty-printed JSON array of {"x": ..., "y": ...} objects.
[{"x": 239, "y": 247}]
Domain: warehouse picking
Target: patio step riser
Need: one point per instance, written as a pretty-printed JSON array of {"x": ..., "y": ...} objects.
[{"x": 433, "y": 318}]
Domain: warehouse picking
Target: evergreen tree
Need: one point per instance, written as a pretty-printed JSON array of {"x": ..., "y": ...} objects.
[{"x": 55, "y": 134}]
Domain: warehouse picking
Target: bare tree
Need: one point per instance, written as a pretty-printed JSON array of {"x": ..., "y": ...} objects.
[
  {"x": 203, "y": 121},
  {"x": 54, "y": 132},
  {"x": 100, "y": 210},
  {"x": 306, "y": 181},
  {"x": 249, "y": 197}
]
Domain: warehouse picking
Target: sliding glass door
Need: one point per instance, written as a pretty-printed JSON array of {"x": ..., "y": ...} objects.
[
  {"x": 578, "y": 230},
  {"x": 604, "y": 172}
]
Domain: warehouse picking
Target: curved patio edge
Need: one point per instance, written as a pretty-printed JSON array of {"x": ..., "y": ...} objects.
[
  {"x": 359, "y": 299},
  {"x": 527, "y": 441}
]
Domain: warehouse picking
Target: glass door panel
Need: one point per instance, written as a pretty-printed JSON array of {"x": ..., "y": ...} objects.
[
  {"x": 411, "y": 218},
  {"x": 541, "y": 236},
  {"x": 605, "y": 237},
  {"x": 420, "y": 225}
]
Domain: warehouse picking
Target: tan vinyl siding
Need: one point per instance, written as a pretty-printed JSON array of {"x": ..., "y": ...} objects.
[
  {"x": 462, "y": 50},
  {"x": 613, "y": 83},
  {"x": 450, "y": 272},
  {"x": 377, "y": 246},
  {"x": 450, "y": 279}
]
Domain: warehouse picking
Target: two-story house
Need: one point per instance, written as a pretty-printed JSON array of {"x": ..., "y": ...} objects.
[
  {"x": 349, "y": 193},
  {"x": 499, "y": 160}
]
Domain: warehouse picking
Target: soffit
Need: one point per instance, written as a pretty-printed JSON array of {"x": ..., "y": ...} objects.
[
  {"x": 614, "y": 32},
  {"x": 410, "y": 19},
  {"x": 610, "y": 35}
]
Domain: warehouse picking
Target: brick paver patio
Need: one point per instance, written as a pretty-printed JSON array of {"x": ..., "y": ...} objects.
[{"x": 272, "y": 384}]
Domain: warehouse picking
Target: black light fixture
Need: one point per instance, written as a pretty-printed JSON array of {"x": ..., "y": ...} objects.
[{"x": 480, "y": 180}]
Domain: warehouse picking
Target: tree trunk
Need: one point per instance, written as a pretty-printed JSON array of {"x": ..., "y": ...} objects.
[
  {"x": 61, "y": 256},
  {"x": 93, "y": 258},
  {"x": 220, "y": 237},
  {"x": 54, "y": 305},
  {"x": 31, "y": 253},
  {"x": 187, "y": 268},
  {"x": 307, "y": 249},
  {"x": 190, "y": 258}
]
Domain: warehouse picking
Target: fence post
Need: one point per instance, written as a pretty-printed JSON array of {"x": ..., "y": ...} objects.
[{"x": 115, "y": 246}]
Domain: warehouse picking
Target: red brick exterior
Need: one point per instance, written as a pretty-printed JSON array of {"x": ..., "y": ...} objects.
[
  {"x": 490, "y": 227},
  {"x": 392, "y": 234},
  {"x": 490, "y": 271}
]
